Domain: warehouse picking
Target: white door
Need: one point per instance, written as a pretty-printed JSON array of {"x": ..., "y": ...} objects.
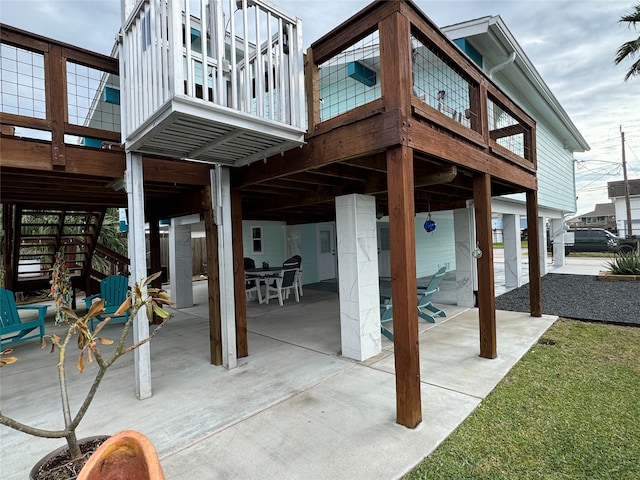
[
  {"x": 326, "y": 251},
  {"x": 384, "y": 259}
]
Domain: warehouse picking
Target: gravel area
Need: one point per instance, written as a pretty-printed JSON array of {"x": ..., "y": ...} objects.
[{"x": 580, "y": 297}]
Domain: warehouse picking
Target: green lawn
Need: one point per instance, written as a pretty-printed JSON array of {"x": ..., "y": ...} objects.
[{"x": 566, "y": 411}]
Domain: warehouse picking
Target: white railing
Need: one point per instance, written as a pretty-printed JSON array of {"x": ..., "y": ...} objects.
[{"x": 245, "y": 55}]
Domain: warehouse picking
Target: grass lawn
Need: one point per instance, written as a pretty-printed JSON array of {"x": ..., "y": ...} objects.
[{"x": 570, "y": 410}]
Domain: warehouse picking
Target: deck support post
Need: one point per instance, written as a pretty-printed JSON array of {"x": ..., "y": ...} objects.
[
  {"x": 557, "y": 231},
  {"x": 221, "y": 190},
  {"x": 154, "y": 251},
  {"x": 238, "y": 275},
  {"x": 535, "y": 286},
  {"x": 466, "y": 274},
  {"x": 213, "y": 281},
  {"x": 181, "y": 264},
  {"x": 402, "y": 237},
  {"x": 134, "y": 182},
  {"x": 486, "y": 287}
]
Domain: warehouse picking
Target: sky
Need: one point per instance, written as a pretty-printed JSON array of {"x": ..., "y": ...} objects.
[{"x": 571, "y": 43}]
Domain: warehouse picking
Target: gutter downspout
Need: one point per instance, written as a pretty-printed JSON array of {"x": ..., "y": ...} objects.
[{"x": 500, "y": 66}]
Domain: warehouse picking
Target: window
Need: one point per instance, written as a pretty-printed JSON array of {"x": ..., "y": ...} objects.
[{"x": 256, "y": 239}]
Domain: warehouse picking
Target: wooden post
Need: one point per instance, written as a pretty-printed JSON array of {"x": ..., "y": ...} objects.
[
  {"x": 403, "y": 285},
  {"x": 56, "y": 99},
  {"x": 238, "y": 275},
  {"x": 213, "y": 280},
  {"x": 312, "y": 87},
  {"x": 486, "y": 292},
  {"x": 8, "y": 258},
  {"x": 535, "y": 285}
]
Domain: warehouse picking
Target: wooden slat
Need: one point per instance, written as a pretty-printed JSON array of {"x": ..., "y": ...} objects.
[
  {"x": 486, "y": 293},
  {"x": 403, "y": 286}
]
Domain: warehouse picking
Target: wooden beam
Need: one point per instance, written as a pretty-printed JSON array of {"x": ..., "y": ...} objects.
[
  {"x": 242, "y": 345},
  {"x": 486, "y": 293},
  {"x": 533, "y": 232},
  {"x": 56, "y": 98},
  {"x": 213, "y": 281},
  {"x": 154, "y": 251},
  {"x": 403, "y": 286}
]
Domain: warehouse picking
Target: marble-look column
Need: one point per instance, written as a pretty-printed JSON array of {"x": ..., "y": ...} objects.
[
  {"x": 181, "y": 264},
  {"x": 542, "y": 238},
  {"x": 512, "y": 250},
  {"x": 358, "y": 272},
  {"x": 466, "y": 272},
  {"x": 557, "y": 238}
]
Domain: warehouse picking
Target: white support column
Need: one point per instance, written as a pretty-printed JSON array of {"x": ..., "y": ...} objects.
[
  {"x": 181, "y": 264},
  {"x": 542, "y": 238},
  {"x": 512, "y": 251},
  {"x": 557, "y": 238},
  {"x": 221, "y": 187},
  {"x": 138, "y": 256},
  {"x": 466, "y": 270},
  {"x": 358, "y": 272}
]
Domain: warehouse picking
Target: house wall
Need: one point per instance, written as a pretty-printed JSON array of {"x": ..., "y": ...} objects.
[
  {"x": 273, "y": 242},
  {"x": 437, "y": 248}
]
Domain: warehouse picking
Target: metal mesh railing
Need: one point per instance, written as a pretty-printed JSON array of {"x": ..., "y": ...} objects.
[
  {"x": 351, "y": 78},
  {"x": 22, "y": 87},
  {"x": 439, "y": 85},
  {"x": 506, "y": 130}
]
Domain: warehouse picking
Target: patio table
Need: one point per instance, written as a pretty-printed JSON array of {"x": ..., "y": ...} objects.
[{"x": 261, "y": 275}]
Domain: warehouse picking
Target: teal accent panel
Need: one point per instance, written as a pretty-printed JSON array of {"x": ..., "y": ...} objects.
[
  {"x": 361, "y": 73},
  {"x": 112, "y": 95},
  {"x": 92, "y": 142},
  {"x": 435, "y": 249},
  {"x": 467, "y": 48}
]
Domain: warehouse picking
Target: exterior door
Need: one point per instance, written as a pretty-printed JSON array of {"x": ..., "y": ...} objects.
[
  {"x": 326, "y": 251},
  {"x": 384, "y": 257}
]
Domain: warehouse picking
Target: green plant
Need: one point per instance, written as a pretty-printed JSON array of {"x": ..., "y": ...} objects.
[
  {"x": 88, "y": 342},
  {"x": 625, "y": 264}
]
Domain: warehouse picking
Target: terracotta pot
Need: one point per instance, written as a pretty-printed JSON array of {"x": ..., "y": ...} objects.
[
  {"x": 127, "y": 455},
  {"x": 84, "y": 443}
]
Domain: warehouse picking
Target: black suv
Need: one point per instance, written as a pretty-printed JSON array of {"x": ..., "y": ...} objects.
[{"x": 597, "y": 240}]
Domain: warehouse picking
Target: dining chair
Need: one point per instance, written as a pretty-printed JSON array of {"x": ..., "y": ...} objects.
[
  {"x": 251, "y": 285},
  {"x": 283, "y": 283}
]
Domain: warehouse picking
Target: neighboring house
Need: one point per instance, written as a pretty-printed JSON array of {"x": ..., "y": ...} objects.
[
  {"x": 617, "y": 196},
  {"x": 604, "y": 216}
]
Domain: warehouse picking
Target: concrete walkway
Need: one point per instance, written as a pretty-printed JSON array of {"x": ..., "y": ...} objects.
[{"x": 293, "y": 409}]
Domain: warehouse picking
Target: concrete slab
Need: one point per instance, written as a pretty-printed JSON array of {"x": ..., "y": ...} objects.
[{"x": 293, "y": 409}]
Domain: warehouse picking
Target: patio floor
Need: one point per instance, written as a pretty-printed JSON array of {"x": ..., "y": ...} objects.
[{"x": 293, "y": 409}]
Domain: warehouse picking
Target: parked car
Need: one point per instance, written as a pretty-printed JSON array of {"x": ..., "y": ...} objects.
[{"x": 596, "y": 240}]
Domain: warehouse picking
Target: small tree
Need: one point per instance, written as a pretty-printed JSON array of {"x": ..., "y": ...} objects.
[
  {"x": 88, "y": 342},
  {"x": 630, "y": 49}
]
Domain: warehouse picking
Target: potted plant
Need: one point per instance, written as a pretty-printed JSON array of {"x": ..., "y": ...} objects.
[{"x": 75, "y": 454}]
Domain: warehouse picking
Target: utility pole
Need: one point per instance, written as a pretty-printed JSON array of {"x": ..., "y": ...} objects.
[{"x": 627, "y": 201}]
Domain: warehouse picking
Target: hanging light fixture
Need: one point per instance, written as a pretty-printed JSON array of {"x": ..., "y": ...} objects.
[{"x": 429, "y": 225}]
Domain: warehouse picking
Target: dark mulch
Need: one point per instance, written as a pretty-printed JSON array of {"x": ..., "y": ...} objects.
[{"x": 580, "y": 297}]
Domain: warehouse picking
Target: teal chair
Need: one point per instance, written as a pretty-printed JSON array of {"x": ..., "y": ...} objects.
[
  {"x": 424, "y": 302},
  {"x": 113, "y": 290},
  {"x": 424, "y": 299},
  {"x": 12, "y": 329}
]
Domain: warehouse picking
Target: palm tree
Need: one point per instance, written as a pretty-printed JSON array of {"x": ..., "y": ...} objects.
[{"x": 630, "y": 49}]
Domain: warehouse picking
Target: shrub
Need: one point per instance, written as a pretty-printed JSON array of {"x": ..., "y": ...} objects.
[{"x": 625, "y": 264}]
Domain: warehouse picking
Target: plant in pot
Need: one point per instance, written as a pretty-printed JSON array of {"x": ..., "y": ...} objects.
[{"x": 72, "y": 457}]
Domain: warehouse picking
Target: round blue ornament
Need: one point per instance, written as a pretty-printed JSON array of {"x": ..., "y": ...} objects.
[{"x": 429, "y": 225}]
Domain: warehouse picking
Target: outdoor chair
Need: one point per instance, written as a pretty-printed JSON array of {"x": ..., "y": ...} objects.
[
  {"x": 113, "y": 290},
  {"x": 12, "y": 329},
  {"x": 386, "y": 315},
  {"x": 251, "y": 285},
  {"x": 297, "y": 259},
  {"x": 424, "y": 300},
  {"x": 284, "y": 282}
]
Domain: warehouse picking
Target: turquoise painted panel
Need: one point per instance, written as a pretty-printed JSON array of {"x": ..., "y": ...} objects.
[
  {"x": 467, "y": 48},
  {"x": 437, "y": 248},
  {"x": 309, "y": 253}
]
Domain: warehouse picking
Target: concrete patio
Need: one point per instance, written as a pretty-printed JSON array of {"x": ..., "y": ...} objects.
[{"x": 293, "y": 409}]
